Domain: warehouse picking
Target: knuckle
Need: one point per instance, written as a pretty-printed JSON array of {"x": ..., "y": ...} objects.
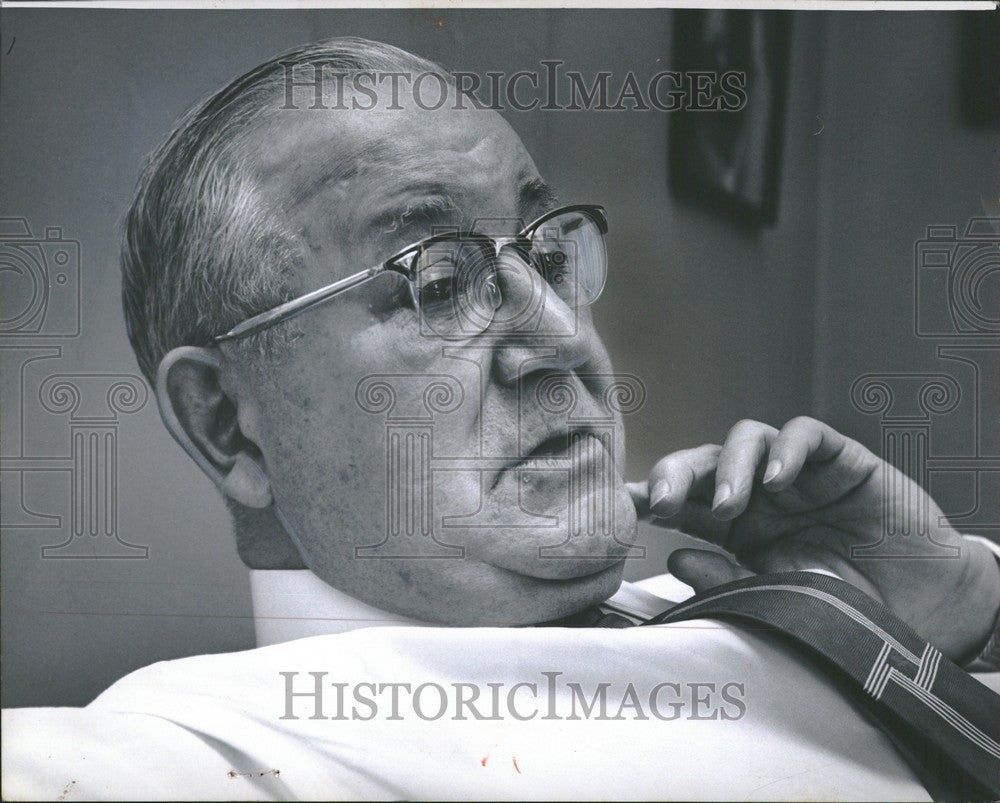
[
  {"x": 665, "y": 465},
  {"x": 685, "y": 461},
  {"x": 660, "y": 467},
  {"x": 710, "y": 450},
  {"x": 744, "y": 428}
]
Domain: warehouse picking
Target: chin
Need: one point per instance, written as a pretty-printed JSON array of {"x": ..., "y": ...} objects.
[
  {"x": 587, "y": 528},
  {"x": 519, "y": 600},
  {"x": 567, "y": 597}
]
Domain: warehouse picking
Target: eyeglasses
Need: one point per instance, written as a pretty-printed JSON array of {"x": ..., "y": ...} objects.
[{"x": 454, "y": 278}]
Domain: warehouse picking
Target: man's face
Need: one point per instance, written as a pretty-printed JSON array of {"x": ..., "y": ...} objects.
[{"x": 432, "y": 477}]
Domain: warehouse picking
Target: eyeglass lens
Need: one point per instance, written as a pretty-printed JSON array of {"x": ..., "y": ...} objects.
[{"x": 457, "y": 281}]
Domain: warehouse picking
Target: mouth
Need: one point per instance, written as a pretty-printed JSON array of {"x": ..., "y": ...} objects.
[
  {"x": 558, "y": 450},
  {"x": 595, "y": 570},
  {"x": 569, "y": 477},
  {"x": 552, "y": 447}
]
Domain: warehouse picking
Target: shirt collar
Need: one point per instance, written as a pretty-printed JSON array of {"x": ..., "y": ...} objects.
[{"x": 291, "y": 604}]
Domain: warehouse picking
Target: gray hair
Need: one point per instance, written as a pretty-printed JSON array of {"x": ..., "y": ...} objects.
[{"x": 201, "y": 252}]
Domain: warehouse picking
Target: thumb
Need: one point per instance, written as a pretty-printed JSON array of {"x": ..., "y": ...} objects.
[
  {"x": 639, "y": 491},
  {"x": 703, "y": 570}
]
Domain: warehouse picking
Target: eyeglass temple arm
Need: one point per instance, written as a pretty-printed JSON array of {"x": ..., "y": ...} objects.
[{"x": 297, "y": 306}]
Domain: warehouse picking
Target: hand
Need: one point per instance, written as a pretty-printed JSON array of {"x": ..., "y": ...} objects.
[{"x": 801, "y": 499}]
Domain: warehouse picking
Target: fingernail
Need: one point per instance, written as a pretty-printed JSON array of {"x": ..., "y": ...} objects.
[
  {"x": 660, "y": 492},
  {"x": 722, "y": 493},
  {"x": 772, "y": 471}
]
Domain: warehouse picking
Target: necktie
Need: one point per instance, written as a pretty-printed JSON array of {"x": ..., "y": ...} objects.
[
  {"x": 943, "y": 721},
  {"x": 590, "y": 617}
]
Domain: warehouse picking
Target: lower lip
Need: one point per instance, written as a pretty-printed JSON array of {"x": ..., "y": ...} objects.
[
  {"x": 603, "y": 567},
  {"x": 583, "y": 452}
]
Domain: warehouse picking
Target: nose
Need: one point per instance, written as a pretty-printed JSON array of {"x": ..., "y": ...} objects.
[{"x": 533, "y": 327}]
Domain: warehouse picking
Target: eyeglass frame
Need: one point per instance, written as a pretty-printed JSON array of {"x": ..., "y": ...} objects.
[{"x": 297, "y": 306}]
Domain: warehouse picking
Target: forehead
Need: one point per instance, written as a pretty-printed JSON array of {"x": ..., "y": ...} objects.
[{"x": 368, "y": 163}]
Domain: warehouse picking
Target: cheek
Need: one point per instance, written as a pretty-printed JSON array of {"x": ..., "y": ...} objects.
[
  {"x": 321, "y": 444},
  {"x": 328, "y": 408},
  {"x": 314, "y": 432}
]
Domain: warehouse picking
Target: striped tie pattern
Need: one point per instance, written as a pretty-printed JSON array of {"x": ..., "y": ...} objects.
[{"x": 943, "y": 721}]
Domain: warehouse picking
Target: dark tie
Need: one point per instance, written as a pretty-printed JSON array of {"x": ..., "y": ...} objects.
[
  {"x": 943, "y": 721},
  {"x": 591, "y": 617}
]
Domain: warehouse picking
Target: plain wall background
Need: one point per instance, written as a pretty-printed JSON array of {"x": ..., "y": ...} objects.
[
  {"x": 896, "y": 158},
  {"x": 720, "y": 322}
]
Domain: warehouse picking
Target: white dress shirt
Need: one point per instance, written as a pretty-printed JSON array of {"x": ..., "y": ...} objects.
[
  {"x": 295, "y": 604},
  {"x": 737, "y": 715}
]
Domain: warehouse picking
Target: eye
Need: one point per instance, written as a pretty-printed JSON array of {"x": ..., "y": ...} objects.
[
  {"x": 436, "y": 292},
  {"x": 389, "y": 294}
]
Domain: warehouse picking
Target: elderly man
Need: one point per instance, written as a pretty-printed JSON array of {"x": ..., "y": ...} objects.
[{"x": 361, "y": 314}]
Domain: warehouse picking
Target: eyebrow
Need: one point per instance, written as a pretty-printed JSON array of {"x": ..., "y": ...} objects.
[
  {"x": 431, "y": 208},
  {"x": 536, "y": 197}
]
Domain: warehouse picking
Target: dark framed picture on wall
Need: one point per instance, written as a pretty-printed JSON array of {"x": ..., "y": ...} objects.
[{"x": 730, "y": 163}]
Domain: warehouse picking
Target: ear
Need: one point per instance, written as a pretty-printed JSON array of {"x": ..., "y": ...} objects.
[{"x": 204, "y": 420}]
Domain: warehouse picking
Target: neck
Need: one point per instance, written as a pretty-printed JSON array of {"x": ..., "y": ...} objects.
[
  {"x": 261, "y": 540},
  {"x": 291, "y": 604}
]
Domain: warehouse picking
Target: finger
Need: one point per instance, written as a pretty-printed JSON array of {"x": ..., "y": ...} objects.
[
  {"x": 703, "y": 570},
  {"x": 800, "y": 440},
  {"x": 746, "y": 445},
  {"x": 696, "y": 518},
  {"x": 678, "y": 476},
  {"x": 693, "y": 517},
  {"x": 639, "y": 491}
]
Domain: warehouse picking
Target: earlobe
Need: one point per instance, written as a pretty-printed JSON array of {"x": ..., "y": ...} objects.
[
  {"x": 203, "y": 420},
  {"x": 247, "y": 483}
]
